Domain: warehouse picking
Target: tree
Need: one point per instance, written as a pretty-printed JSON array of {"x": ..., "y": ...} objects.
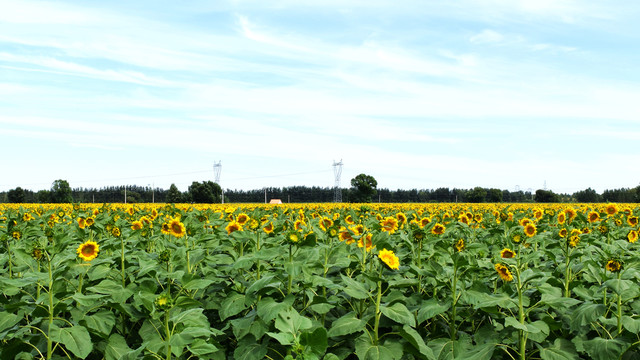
[
  {"x": 546, "y": 196},
  {"x": 364, "y": 187},
  {"x": 43, "y": 196},
  {"x": 494, "y": 195},
  {"x": 587, "y": 196},
  {"x": 476, "y": 195},
  {"x": 174, "y": 195},
  {"x": 60, "y": 192},
  {"x": 15, "y": 195}
]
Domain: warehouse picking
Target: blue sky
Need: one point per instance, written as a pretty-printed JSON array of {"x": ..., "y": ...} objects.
[{"x": 418, "y": 94}]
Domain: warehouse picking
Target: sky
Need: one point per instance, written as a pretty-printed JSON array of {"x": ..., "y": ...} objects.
[{"x": 508, "y": 94}]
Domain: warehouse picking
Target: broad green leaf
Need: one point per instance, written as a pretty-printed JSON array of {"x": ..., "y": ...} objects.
[
  {"x": 347, "y": 324},
  {"x": 365, "y": 350},
  {"x": 399, "y": 313},
  {"x": 249, "y": 349},
  {"x": 480, "y": 352},
  {"x": 199, "y": 347},
  {"x": 117, "y": 349},
  {"x": 268, "y": 308},
  {"x": 75, "y": 339},
  {"x": 197, "y": 284},
  {"x": 8, "y": 320},
  {"x": 559, "y": 302},
  {"x": 604, "y": 349},
  {"x": 283, "y": 338},
  {"x": 315, "y": 343},
  {"x": 101, "y": 322},
  {"x": 289, "y": 321},
  {"x": 585, "y": 314},
  {"x": 265, "y": 282},
  {"x": 513, "y": 322},
  {"x": 414, "y": 338},
  {"x": 232, "y": 305},
  {"x": 88, "y": 300},
  {"x": 354, "y": 289},
  {"x": 190, "y": 318},
  {"x": 561, "y": 350},
  {"x": 431, "y": 308},
  {"x": 631, "y": 324}
]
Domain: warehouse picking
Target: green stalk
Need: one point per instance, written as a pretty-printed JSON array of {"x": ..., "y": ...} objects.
[
  {"x": 49, "y": 341},
  {"x": 567, "y": 273},
  {"x": 290, "y": 280},
  {"x": 521, "y": 314},
  {"x": 378, "y": 314},
  {"x": 454, "y": 285},
  {"x": 186, "y": 246},
  {"x": 122, "y": 260},
  {"x": 619, "y": 314},
  {"x": 167, "y": 334},
  {"x": 257, "y": 250},
  {"x": 10, "y": 260},
  {"x": 364, "y": 253}
]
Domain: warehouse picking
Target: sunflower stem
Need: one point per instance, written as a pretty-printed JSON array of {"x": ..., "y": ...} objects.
[
  {"x": 521, "y": 315},
  {"x": 122, "y": 266},
  {"x": 619, "y": 312},
  {"x": 567, "y": 273},
  {"x": 10, "y": 260},
  {"x": 290, "y": 279},
  {"x": 378, "y": 314},
  {"x": 454, "y": 285},
  {"x": 49, "y": 341},
  {"x": 167, "y": 334}
]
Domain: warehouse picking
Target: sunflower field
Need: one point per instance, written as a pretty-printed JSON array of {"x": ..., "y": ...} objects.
[{"x": 319, "y": 281}]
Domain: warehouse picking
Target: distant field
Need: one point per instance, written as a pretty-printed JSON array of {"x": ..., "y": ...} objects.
[{"x": 319, "y": 281}]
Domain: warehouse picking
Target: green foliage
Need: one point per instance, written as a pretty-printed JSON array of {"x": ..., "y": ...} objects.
[{"x": 364, "y": 188}]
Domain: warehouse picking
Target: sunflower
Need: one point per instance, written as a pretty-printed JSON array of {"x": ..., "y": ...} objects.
[
  {"x": 163, "y": 302},
  {"x": 402, "y": 219},
  {"x": 367, "y": 240},
  {"x": 82, "y": 222},
  {"x": 507, "y": 253},
  {"x": 562, "y": 233},
  {"x": 632, "y": 236},
  {"x": 299, "y": 224},
  {"x": 389, "y": 224},
  {"x": 268, "y": 228},
  {"x": 389, "y": 259},
  {"x": 593, "y": 217},
  {"x": 325, "y": 223},
  {"x": 463, "y": 219},
  {"x": 176, "y": 228},
  {"x": 89, "y": 221},
  {"x": 293, "y": 237},
  {"x": 136, "y": 225},
  {"x": 477, "y": 217},
  {"x": 504, "y": 272},
  {"x": 242, "y": 218},
  {"x": 345, "y": 235},
  {"x": 16, "y": 235},
  {"x": 632, "y": 220},
  {"x": 233, "y": 226},
  {"x": 460, "y": 245},
  {"x": 165, "y": 229},
  {"x": 613, "y": 265},
  {"x": 88, "y": 251},
  {"x": 530, "y": 229},
  {"x": 438, "y": 229},
  {"x": 574, "y": 240},
  {"x": 611, "y": 209},
  {"x": 570, "y": 213},
  {"x": 115, "y": 231},
  {"x": 349, "y": 220},
  {"x": 424, "y": 221}
]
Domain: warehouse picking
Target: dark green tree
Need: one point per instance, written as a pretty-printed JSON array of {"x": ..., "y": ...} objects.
[
  {"x": 494, "y": 195},
  {"x": 546, "y": 196},
  {"x": 364, "y": 188},
  {"x": 476, "y": 195},
  {"x": 15, "y": 195},
  {"x": 200, "y": 193},
  {"x": 60, "y": 192},
  {"x": 174, "y": 195},
  {"x": 43, "y": 196},
  {"x": 587, "y": 196}
]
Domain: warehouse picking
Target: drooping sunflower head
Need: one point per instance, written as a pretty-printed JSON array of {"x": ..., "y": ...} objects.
[
  {"x": 233, "y": 226},
  {"x": 299, "y": 224},
  {"x": 367, "y": 240},
  {"x": 389, "y": 258},
  {"x": 88, "y": 250},
  {"x": 460, "y": 245},
  {"x": 438, "y": 229},
  {"x": 507, "y": 253},
  {"x": 574, "y": 240},
  {"x": 613, "y": 265},
  {"x": 136, "y": 225},
  {"x": 530, "y": 229},
  {"x": 268, "y": 228},
  {"x": 632, "y": 236},
  {"x": 389, "y": 224},
  {"x": 325, "y": 223},
  {"x": 570, "y": 213},
  {"x": 504, "y": 272},
  {"x": 402, "y": 218}
]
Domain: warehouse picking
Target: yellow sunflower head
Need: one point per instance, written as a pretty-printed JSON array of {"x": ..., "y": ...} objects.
[
  {"x": 88, "y": 250},
  {"x": 176, "y": 228},
  {"x": 503, "y": 272},
  {"x": 632, "y": 236},
  {"x": 233, "y": 226},
  {"x": 530, "y": 229},
  {"x": 389, "y": 258},
  {"x": 268, "y": 228},
  {"x": 507, "y": 253},
  {"x": 389, "y": 224},
  {"x": 593, "y": 217},
  {"x": 438, "y": 229},
  {"x": 613, "y": 265}
]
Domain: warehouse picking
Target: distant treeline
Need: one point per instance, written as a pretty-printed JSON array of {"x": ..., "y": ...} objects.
[{"x": 209, "y": 192}]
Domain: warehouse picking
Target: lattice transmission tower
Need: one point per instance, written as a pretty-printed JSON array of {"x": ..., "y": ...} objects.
[
  {"x": 217, "y": 167},
  {"x": 337, "y": 191}
]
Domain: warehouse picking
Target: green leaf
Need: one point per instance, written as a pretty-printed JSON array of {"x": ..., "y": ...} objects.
[
  {"x": 585, "y": 314},
  {"x": 283, "y": 338},
  {"x": 604, "y": 349},
  {"x": 264, "y": 283},
  {"x": 399, "y": 313},
  {"x": 112, "y": 288},
  {"x": 101, "y": 322},
  {"x": 289, "y": 321},
  {"x": 559, "y": 302},
  {"x": 347, "y": 324},
  {"x": 513, "y": 322},
  {"x": 8, "y": 320},
  {"x": 232, "y": 305},
  {"x": 249, "y": 349},
  {"x": 365, "y": 350},
  {"x": 354, "y": 289},
  {"x": 414, "y": 338},
  {"x": 561, "y": 350},
  {"x": 199, "y": 347},
  {"x": 117, "y": 349},
  {"x": 268, "y": 308},
  {"x": 197, "y": 284},
  {"x": 314, "y": 342},
  {"x": 190, "y": 318},
  {"x": 75, "y": 339},
  {"x": 631, "y": 324},
  {"x": 431, "y": 308}
]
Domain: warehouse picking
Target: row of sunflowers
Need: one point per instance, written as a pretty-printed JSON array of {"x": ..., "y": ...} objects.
[{"x": 319, "y": 281}]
